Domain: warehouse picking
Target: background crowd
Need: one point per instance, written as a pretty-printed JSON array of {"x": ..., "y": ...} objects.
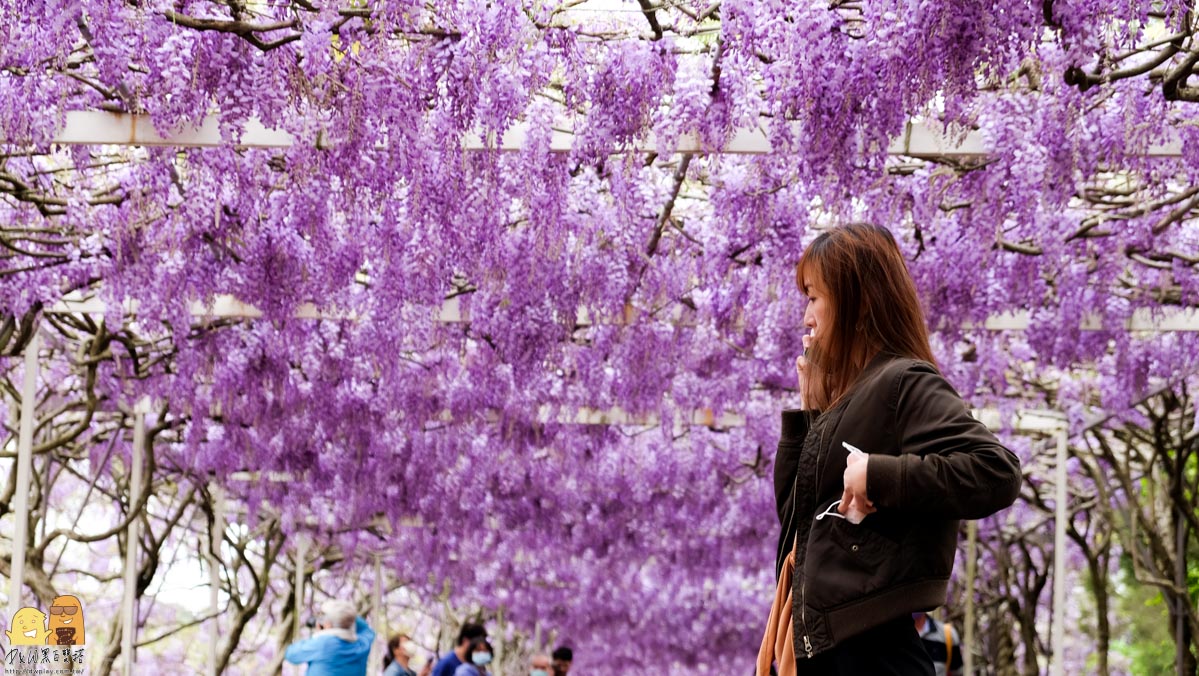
[{"x": 341, "y": 645}]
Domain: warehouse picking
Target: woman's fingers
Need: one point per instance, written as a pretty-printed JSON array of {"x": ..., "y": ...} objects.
[
  {"x": 801, "y": 366},
  {"x": 855, "y": 507},
  {"x": 854, "y": 503},
  {"x": 846, "y": 501}
]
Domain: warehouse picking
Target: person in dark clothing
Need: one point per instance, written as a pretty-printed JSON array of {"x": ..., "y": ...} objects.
[
  {"x": 450, "y": 662},
  {"x": 941, "y": 642},
  {"x": 874, "y": 471},
  {"x": 478, "y": 657},
  {"x": 563, "y": 657}
]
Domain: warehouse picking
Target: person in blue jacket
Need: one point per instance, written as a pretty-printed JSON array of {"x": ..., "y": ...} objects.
[
  {"x": 450, "y": 662},
  {"x": 341, "y": 645}
]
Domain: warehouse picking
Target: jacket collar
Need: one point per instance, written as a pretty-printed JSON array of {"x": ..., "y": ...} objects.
[
  {"x": 344, "y": 634},
  {"x": 873, "y": 367}
]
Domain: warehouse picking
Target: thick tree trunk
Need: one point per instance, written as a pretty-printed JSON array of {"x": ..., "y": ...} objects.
[
  {"x": 1028, "y": 636},
  {"x": 1184, "y": 646},
  {"x": 1103, "y": 632},
  {"x": 273, "y": 540},
  {"x": 1005, "y": 654},
  {"x": 1097, "y": 568}
]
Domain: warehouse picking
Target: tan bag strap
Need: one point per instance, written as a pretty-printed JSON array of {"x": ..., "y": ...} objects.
[{"x": 948, "y": 628}]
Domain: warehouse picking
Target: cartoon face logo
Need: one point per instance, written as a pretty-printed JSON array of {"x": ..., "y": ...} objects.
[
  {"x": 28, "y": 628},
  {"x": 66, "y": 622}
]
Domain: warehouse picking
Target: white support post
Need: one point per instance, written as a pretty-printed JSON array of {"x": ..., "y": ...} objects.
[
  {"x": 133, "y": 537},
  {"x": 1180, "y": 579},
  {"x": 301, "y": 563},
  {"x": 499, "y": 652},
  {"x": 1058, "y": 631},
  {"x": 24, "y": 475},
  {"x": 971, "y": 576},
  {"x": 214, "y": 574},
  {"x": 378, "y": 618}
]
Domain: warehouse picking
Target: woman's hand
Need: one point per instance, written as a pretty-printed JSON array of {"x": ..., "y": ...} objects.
[
  {"x": 801, "y": 367},
  {"x": 854, "y": 496}
]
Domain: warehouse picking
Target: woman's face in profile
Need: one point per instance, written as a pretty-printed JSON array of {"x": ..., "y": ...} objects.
[
  {"x": 817, "y": 313},
  {"x": 401, "y": 651}
]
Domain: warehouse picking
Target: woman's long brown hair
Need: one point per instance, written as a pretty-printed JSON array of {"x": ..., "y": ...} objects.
[{"x": 873, "y": 305}]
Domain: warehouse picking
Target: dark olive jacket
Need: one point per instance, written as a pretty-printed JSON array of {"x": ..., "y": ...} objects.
[{"x": 931, "y": 464}]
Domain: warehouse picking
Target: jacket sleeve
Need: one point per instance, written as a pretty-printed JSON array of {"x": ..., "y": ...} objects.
[
  {"x": 786, "y": 461},
  {"x": 302, "y": 652},
  {"x": 366, "y": 635},
  {"x": 949, "y": 465},
  {"x": 786, "y": 465}
]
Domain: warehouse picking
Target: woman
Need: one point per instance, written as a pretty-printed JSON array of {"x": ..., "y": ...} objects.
[
  {"x": 478, "y": 656},
  {"x": 869, "y": 539},
  {"x": 398, "y": 660}
]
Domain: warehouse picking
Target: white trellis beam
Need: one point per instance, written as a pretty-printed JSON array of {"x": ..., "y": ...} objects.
[
  {"x": 225, "y": 306},
  {"x": 90, "y": 127},
  {"x": 84, "y": 127},
  {"x": 1042, "y": 421},
  {"x": 1142, "y": 319}
]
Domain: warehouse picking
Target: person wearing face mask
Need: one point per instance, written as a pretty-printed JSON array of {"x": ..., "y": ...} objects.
[
  {"x": 450, "y": 662},
  {"x": 398, "y": 660},
  {"x": 478, "y": 656},
  {"x": 874, "y": 471},
  {"x": 540, "y": 665}
]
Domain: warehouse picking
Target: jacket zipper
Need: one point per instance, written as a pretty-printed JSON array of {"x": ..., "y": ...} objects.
[{"x": 803, "y": 585}]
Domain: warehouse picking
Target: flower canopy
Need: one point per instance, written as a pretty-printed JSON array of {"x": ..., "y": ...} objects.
[{"x": 544, "y": 384}]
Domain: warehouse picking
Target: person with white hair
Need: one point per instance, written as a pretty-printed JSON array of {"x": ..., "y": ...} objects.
[
  {"x": 340, "y": 646},
  {"x": 541, "y": 665}
]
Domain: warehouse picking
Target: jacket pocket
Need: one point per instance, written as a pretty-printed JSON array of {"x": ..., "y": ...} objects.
[
  {"x": 861, "y": 544},
  {"x": 846, "y": 562}
]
